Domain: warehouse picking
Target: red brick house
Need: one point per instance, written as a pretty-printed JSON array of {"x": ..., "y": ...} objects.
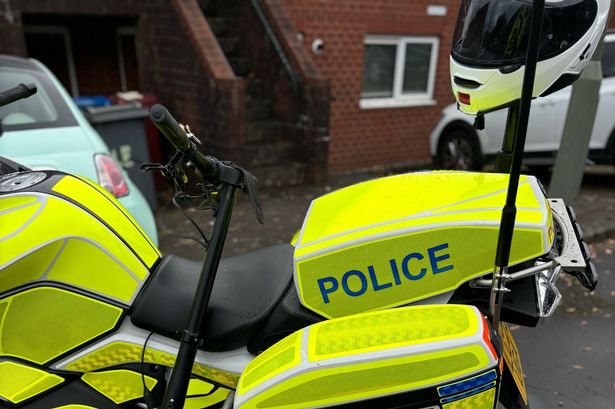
[
  {"x": 388, "y": 66},
  {"x": 296, "y": 89}
]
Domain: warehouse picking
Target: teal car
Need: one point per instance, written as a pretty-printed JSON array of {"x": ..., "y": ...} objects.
[{"x": 47, "y": 131}]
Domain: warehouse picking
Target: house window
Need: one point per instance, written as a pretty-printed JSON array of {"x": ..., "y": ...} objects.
[
  {"x": 52, "y": 46},
  {"x": 127, "y": 58},
  {"x": 399, "y": 71}
]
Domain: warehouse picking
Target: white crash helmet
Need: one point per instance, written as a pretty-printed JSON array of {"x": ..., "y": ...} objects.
[{"x": 490, "y": 45}]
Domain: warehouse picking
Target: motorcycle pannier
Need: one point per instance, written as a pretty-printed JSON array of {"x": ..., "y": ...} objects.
[
  {"x": 392, "y": 241},
  {"x": 438, "y": 355}
]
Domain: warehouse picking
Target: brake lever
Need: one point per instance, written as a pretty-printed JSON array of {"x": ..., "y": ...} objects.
[
  {"x": 247, "y": 184},
  {"x": 149, "y": 167},
  {"x": 249, "y": 187}
]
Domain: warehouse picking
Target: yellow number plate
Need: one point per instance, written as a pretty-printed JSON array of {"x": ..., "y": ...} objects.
[{"x": 513, "y": 360}]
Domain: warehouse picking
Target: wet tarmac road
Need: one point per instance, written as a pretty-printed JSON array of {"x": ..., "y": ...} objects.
[{"x": 569, "y": 361}]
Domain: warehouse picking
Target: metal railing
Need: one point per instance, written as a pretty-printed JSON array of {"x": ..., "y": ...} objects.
[{"x": 295, "y": 80}]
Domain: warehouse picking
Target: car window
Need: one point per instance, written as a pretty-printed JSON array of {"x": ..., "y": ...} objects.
[
  {"x": 45, "y": 109},
  {"x": 608, "y": 59}
]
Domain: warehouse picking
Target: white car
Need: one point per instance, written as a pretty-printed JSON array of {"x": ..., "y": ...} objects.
[{"x": 455, "y": 144}]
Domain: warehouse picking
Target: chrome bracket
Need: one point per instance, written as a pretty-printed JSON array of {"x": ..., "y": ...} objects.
[{"x": 571, "y": 258}]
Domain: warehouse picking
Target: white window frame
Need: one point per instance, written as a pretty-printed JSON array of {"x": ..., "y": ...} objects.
[
  {"x": 70, "y": 62},
  {"x": 119, "y": 32},
  {"x": 399, "y": 99}
]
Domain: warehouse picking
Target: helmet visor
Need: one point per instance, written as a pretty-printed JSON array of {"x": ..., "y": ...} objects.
[{"x": 494, "y": 33}]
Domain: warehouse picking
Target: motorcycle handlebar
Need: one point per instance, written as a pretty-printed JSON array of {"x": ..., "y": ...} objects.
[
  {"x": 169, "y": 127},
  {"x": 15, "y": 94}
]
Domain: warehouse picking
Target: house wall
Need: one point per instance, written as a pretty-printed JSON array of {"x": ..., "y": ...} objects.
[
  {"x": 179, "y": 58},
  {"x": 181, "y": 62},
  {"x": 368, "y": 138}
]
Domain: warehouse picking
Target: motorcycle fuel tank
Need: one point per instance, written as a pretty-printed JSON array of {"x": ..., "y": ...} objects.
[
  {"x": 396, "y": 240},
  {"x": 64, "y": 229},
  {"x": 71, "y": 260}
]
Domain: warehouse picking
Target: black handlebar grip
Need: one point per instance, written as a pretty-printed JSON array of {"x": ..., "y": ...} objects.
[
  {"x": 169, "y": 127},
  {"x": 15, "y": 94},
  {"x": 164, "y": 121}
]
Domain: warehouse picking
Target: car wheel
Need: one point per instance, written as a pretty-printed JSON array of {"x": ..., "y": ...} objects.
[{"x": 458, "y": 150}]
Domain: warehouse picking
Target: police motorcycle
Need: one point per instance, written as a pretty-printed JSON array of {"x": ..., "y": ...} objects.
[{"x": 386, "y": 298}]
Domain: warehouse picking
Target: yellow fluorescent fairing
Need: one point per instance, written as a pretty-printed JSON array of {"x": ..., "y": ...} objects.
[
  {"x": 483, "y": 400},
  {"x": 410, "y": 326},
  {"x": 19, "y": 382},
  {"x": 119, "y": 385},
  {"x": 367, "y": 356},
  {"x": 15, "y": 202},
  {"x": 40, "y": 324},
  {"x": 199, "y": 387},
  {"x": 104, "y": 205},
  {"x": 121, "y": 353},
  {"x": 44, "y": 237},
  {"x": 395, "y": 240}
]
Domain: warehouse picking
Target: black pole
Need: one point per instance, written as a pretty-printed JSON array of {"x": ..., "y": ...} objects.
[
  {"x": 175, "y": 394},
  {"x": 503, "y": 161},
  {"x": 509, "y": 212}
]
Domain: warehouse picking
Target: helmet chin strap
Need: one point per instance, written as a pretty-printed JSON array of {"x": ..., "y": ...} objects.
[{"x": 516, "y": 129}]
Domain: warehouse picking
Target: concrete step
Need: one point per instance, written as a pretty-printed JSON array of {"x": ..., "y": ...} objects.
[
  {"x": 229, "y": 45},
  {"x": 254, "y": 87},
  {"x": 218, "y": 25},
  {"x": 218, "y": 8},
  {"x": 258, "y": 109},
  {"x": 264, "y": 132},
  {"x": 208, "y": 6},
  {"x": 241, "y": 66},
  {"x": 286, "y": 174}
]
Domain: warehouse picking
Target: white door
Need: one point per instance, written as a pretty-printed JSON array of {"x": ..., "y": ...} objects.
[
  {"x": 549, "y": 124},
  {"x": 605, "y": 115},
  {"x": 541, "y": 136}
]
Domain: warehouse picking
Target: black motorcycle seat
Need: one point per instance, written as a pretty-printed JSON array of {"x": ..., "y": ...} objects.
[{"x": 246, "y": 290}]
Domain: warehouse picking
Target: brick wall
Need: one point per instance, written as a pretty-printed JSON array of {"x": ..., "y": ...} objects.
[
  {"x": 11, "y": 36},
  {"x": 306, "y": 109},
  {"x": 367, "y": 138},
  {"x": 179, "y": 59},
  {"x": 181, "y": 62}
]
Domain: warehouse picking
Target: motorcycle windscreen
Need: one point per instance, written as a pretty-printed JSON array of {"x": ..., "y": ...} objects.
[{"x": 494, "y": 33}]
